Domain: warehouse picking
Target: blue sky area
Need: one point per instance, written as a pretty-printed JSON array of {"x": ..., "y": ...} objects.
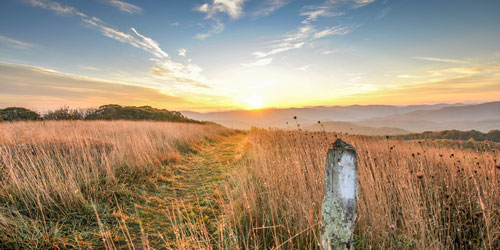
[{"x": 222, "y": 54}]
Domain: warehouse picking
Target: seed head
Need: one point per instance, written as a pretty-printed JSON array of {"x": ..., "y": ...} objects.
[{"x": 420, "y": 174}]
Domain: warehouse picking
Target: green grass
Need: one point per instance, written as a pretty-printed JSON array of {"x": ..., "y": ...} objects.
[{"x": 181, "y": 195}]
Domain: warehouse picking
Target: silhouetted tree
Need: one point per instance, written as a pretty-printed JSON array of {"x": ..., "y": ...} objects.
[
  {"x": 64, "y": 113},
  {"x": 493, "y": 135},
  {"x": 19, "y": 114}
]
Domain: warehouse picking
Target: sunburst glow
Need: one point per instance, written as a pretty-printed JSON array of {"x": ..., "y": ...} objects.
[{"x": 254, "y": 102}]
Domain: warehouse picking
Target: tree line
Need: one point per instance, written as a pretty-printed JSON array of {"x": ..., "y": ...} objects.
[
  {"x": 106, "y": 112},
  {"x": 492, "y": 135}
]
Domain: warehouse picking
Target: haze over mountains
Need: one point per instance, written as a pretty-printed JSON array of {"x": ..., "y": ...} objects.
[{"x": 369, "y": 119}]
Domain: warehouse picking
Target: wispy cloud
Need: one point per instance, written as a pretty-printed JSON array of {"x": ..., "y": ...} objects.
[
  {"x": 182, "y": 52},
  {"x": 288, "y": 42},
  {"x": 164, "y": 66},
  {"x": 88, "y": 67},
  {"x": 336, "y": 30},
  {"x": 435, "y": 59},
  {"x": 308, "y": 32},
  {"x": 233, "y": 8},
  {"x": 270, "y": 7},
  {"x": 305, "y": 67},
  {"x": 328, "y": 52},
  {"x": 125, "y": 7},
  {"x": 464, "y": 71},
  {"x": 135, "y": 38},
  {"x": 45, "y": 88},
  {"x": 56, "y": 7},
  {"x": 216, "y": 28},
  {"x": 304, "y": 35},
  {"x": 354, "y": 77},
  {"x": 451, "y": 89},
  {"x": 13, "y": 43},
  {"x": 407, "y": 76},
  {"x": 361, "y": 3},
  {"x": 312, "y": 13},
  {"x": 383, "y": 13},
  {"x": 258, "y": 63},
  {"x": 186, "y": 73}
]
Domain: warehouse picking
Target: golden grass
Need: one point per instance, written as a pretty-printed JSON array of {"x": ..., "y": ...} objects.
[
  {"x": 54, "y": 170},
  {"x": 411, "y": 196}
]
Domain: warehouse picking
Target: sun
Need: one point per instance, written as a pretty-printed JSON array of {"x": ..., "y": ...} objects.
[{"x": 254, "y": 102}]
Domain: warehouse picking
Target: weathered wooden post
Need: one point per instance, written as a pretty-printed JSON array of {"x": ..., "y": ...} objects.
[{"x": 341, "y": 192}]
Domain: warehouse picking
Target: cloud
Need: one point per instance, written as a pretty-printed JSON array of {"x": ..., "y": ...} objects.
[
  {"x": 479, "y": 82},
  {"x": 361, "y": 3},
  {"x": 304, "y": 68},
  {"x": 182, "y": 52},
  {"x": 13, "y": 43},
  {"x": 135, "y": 38},
  {"x": 328, "y": 8},
  {"x": 270, "y": 7},
  {"x": 407, "y": 76},
  {"x": 216, "y": 28},
  {"x": 258, "y": 63},
  {"x": 383, "y": 13},
  {"x": 304, "y": 35},
  {"x": 281, "y": 48},
  {"x": 439, "y": 59},
  {"x": 307, "y": 32},
  {"x": 322, "y": 11},
  {"x": 88, "y": 67},
  {"x": 233, "y": 8},
  {"x": 454, "y": 89},
  {"x": 336, "y": 30},
  {"x": 125, "y": 7},
  {"x": 164, "y": 66},
  {"x": 56, "y": 7},
  {"x": 42, "y": 88},
  {"x": 187, "y": 73},
  {"x": 470, "y": 70},
  {"x": 288, "y": 42},
  {"x": 328, "y": 52}
]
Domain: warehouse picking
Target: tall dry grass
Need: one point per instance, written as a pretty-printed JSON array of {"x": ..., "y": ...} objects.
[
  {"x": 54, "y": 170},
  {"x": 410, "y": 195}
]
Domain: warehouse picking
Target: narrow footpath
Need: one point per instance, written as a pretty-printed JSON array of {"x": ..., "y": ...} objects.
[{"x": 187, "y": 195}]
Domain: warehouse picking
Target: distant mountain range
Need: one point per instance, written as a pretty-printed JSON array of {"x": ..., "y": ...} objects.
[{"x": 364, "y": 119}]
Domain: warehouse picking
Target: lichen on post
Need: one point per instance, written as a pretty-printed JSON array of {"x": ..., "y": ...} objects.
[{"x": 341, "y": 193}]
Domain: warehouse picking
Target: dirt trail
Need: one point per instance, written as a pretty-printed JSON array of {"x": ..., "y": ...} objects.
[{"x": 187, "y": 191}]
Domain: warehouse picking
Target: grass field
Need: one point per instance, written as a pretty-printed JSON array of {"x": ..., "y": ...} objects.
[
  {"x": 136, "y": 185},
  {"x": 53, "y": 174},
  {"x": 412, "y": 196}
]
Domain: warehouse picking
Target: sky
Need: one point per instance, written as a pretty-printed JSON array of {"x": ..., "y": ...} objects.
[{"x": 206, "y": 55}]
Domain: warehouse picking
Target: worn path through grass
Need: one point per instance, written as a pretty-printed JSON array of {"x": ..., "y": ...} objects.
[{"x": 185, "y": 195}]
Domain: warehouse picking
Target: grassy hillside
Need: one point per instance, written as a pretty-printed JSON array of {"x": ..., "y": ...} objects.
[
  {"x": 55, "y": 176},
  {"x": 351, "y": 128},
  {"x": 140, "y": 185}
]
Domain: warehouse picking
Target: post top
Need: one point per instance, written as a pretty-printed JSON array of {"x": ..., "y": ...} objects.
[{"x": 340, "y": 144}]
